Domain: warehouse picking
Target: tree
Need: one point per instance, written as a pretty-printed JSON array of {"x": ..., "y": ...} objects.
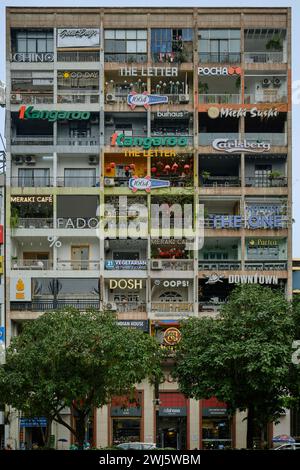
[
  {"x": 242, "y": 357},
  {"x": 77, "y": 360}
]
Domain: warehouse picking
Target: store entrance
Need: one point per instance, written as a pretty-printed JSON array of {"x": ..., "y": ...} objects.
[{"x": 172, "y": 432}]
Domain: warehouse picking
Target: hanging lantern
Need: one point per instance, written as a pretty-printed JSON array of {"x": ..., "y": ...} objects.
[
  {"x": 132, "y": 166},
  {"x": 160, "y": 164},
  {"x": 167, "y": 168},
  {"x": 174, "y": 167},
  {"x": 186, "y": 167},
  {"x": 108, "y": 168},
  {"x": 112, "y": 165},
  {"x": 153, "y": 169}
]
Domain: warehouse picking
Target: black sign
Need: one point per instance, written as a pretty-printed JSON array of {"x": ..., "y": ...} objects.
[
  {"x": 172, "y": 411},
  {"x": 209, "y": 412},
  {"x": 171, "y": 115},
  {"x": 131, "y": 411},
  {"x": 138, "y": 324}
]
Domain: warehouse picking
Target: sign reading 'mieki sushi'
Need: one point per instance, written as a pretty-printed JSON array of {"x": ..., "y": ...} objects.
[
  {"x": 146, "y": 184},
  {"x": 144, "y": 99}
]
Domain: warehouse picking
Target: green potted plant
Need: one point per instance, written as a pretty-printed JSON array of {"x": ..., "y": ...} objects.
[
  {"x": 275, "y": 177},
  {"x": 14, "y": 218},
  {"x": 205, "y": 175},
  {"x": 203, "y": 88},
  {"x": 274, "y": 44}
]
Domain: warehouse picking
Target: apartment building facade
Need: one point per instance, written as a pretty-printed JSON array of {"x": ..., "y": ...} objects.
[{"x": 112, "y": 113}]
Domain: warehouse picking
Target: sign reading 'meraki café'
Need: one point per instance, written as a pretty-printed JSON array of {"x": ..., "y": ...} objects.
[
  {"x": 28, "y": 112},
  {"x": 149, "y": 71}
]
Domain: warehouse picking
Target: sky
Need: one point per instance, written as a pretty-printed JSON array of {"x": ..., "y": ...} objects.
[{"x": 295, "y": 4}]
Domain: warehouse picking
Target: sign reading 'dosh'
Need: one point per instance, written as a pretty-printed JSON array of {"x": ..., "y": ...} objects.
[{"x": 78, "y": 37}]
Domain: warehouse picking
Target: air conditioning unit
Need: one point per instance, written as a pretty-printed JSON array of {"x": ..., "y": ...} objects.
[
  {"x": 156, "y": 264},
  {"x": 29, "y": 160},
  {"x": 16, "y": 98},
  {"x": 266, "y": 82},
  {"x": 184, "y": 98},
  {"x": 111, "y": 306},
  {"x": 109, "y": 182},
  {"x": 93, "y": 160},
  {"x": 18, "y": 160},
  {"x": 110, "y": 98},
  {"x": 276, "y": 82}
]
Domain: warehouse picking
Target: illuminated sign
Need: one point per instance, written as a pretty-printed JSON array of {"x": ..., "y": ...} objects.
[
  {"x": 34, "y": 199},
  {"x": 122, "y": 140},
  {"x": 146, "y": 184},
  {"x": 264, "y": 243},
  {"x": 172, "y": 336},
  {"x": 2, "y": 334},
  {"x": 252, "y": 222},
  {"x": 144, "y": 99},
  {"x": 20, "y": 289},
  {"x": 28, "y": 112},
  {"x": 172, "y": 283},
  {"x": 149, "y": 71},
  {"x": 125, "y": 284},
  {"x": 81, "y": 37},
  {"x": 33, "y": 57},
  {"x": 255, "y": 279},
  {"x": 219, "y": 70},
  {"x": 171, "y": 115},
  {"x": 126, "y": 264},
  {"x": 214, "y": 112},
  {"x": 238, "y": 146},
  {"x": 150, "y": 153}
]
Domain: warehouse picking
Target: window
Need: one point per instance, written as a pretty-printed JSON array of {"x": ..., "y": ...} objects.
[
  {"x": 33, "y": 177},
  {"x": 34, "y": 41},
  {"x": 121, "y": 45},
  {"x": 219, "y": 45},
  {"x": 172, "y": 45},
  {"x": 80, "y": 177}
]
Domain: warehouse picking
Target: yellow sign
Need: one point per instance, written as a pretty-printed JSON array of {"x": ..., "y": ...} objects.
[
  {"x": 150, "y": 153},
  {"x": 1, "y": 264},
  {"x": 20, "y": 288},
  {"x": 172, "y": 336}
]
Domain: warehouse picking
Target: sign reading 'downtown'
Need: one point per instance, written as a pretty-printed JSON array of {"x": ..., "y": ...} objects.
[
  {"x": 238, "y": 146},
  {"x": 74, "y": 37},
  {"x": 219, "y": 70},
  {"x": 146, "y": 184},
  {"x": 252, "y": 222},
  {"x": 28, "y": 112},
  {"x": 149, "y": 71},
  {"x": 144, "y": 99},
  {"x": 254, "y": 279},
  {"x": 121, "y": 140}
]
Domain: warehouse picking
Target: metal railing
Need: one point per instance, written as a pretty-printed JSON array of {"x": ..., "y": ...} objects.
[
  {"x": 77, "y": 181},
  {"x": 266, "y": 182},
  {"x": 206, "y": 138},
  {"x": 45, "y": 305},
  {"x": 126, "y": 58},
  {"x": 78, "y": 265},
  {"x": 31, "y": 182},
  {"x": 35, "y": 223},
  {"x": 128, "y": 306},
  {"x": 264, "y": 57},
  {"x": 176, "y": 307},
  {"x": 265, "y": 265},
  {"x": 176, "y": 181},
  {"x": 217, "y": 58},
  {"x": 279, "y": 138},
  {"x": 220, "y": 98},
  {"x": 172, "y": 57},
  {"x": 32, "y": 140},
  {"x": 79, "y": 98},
  {"x": 254, "y": 98},
  {"x": 78, "y": 141},
  {"x": 174, "y": 98},
  {"x": 220, "y": 182},
  {"x": 32, "y": 264},
  {"x": 78, "y": 56},
  {"x": 220, "y": 265},
  {"x": 28, "y": 98},
  {"x": 172, "y": 264}
]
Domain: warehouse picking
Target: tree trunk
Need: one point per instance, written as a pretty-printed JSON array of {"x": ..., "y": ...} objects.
[
  {"x": 80, "y": 430},
  {"x": 250, "y": 426},
  {"x": 48, "y": 433}
]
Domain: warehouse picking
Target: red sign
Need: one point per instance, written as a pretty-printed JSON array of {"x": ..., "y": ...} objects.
[{"x": 1, "y": 234}]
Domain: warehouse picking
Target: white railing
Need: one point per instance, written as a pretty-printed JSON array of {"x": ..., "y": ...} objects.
[
  {"x": 125, "y": 306},
  {"x": 78, "y": 98},
  {"x": 173, "y": 264},
  {"x": 26, "y": 98},
  {"x": 32, "y": 140},
  {"x": 78, "y": 141},
  {"x": 264, "y": 57},
  {"x": 220, "y": 98},
  {"x": 254, "y": 98},
  {"x": 273, "y": 138},
  {"x": 172, "y": 307},
  {"x": 31, "y": 264},
  {"x": 34, "y": 223},
  {"x": 81, "y": 265}
]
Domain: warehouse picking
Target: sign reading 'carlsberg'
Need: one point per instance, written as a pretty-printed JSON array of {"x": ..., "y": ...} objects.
[{"x": 238, "y": 146}]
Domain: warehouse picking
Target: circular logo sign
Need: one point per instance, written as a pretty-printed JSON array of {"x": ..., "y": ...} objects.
[
  {"x": 172, "y": 336},
  {"x": 213, "y": 112}
]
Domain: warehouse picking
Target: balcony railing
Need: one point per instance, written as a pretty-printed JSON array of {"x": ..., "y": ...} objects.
[
  {"x": 266, "y": 265},
  {"x": 78, "y": 56},
  {"x": 79, "y": 98},
  {"x": 28, "y": 182},
  {"x": 77, "y": 181},
  {"x": 254, "y": 98},
  {"x": 48, "y": 305},
  {"x": 220, "y": 182},
  {"x": 267, "y": 137},
  {"x": 220, "y": 98},
  {"x": 34, "y": 223},
  {"x": 264, "y": 57},
  {"x": 28, "y": 98},
  {"x": 172, "y": 307},
  {"x": 177, "y": 181},
  {"x": 173, "y": 264},
  {"x": 217, "y": 58},
  {"x": 126, "y": 58},
  {"x": 266, "y": 182},
  {"x": 174, "y": 98},
  {"x": 126, "y": 264},
  {"x": 220, "y": 265},
  {"x": 206, "y": 138},
  {"x": 32, "y": 140},
  {"x": 78, "y": 141},
  {"x": 125, "y": 306},
  {"x": 32, "y": 264},
  {"x": 78, "y": 265},
  {"x": 172, "y": 57}
]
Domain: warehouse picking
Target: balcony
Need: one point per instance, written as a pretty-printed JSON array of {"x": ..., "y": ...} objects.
[
  {"x": 172, "y": 307},
  {"x": 266, "y": 182},
  {"x": 172, "y": 264},
  {"x": 172, "y": 57},
  {"x": 32, "y": 140},
  {"x": 78, "y": 98},
  {"x": 219, "y": 58},
  {"x": 255, "y": 98},
  {"x": 78, "y": 56},
  {"x": 220, "y": 182},
  {"x": 265, "y": 57},
  {"x": 266, "y": 265},
  {"x": 31, "y": 182},
  {"x": 34, "y": 223},
  {"x": 48, "y": 305},
  {"x": 207, "y": 138},
  {"x": 78, "y": 141},
  {"x": 126, "y": 58},
  {"x": 177, "y": 181},
  {"x": 128, "y": 306},
  {"x": 32, "y": 264},
  {"x": 278, "y": 139},
  {"x": 219, "y": 265},
  {"x": 205, "y": 98},
  {"x": 29, "y": 98},
  {"x": 77, "y": 181},
  {"x": 78, "y": 265}
]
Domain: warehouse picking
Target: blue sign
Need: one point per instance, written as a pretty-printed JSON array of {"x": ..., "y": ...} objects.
[
  {"x": 146, "y": 184},
  {"x": 33, "y": 422},
  {"x": 252, "y": 222},
  {"x": 143, "y": 99},
  {"x": 2, "y": 334},
  {"x": 284, "y": 438},
  {"x": 126, "y": 264}
]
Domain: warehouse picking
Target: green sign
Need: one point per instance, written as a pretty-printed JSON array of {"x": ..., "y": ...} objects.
[
  {"x": 123, "y": 140},
  {"x": 28, "y": 112}
]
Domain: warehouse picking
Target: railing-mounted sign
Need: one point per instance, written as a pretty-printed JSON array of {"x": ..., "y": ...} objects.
[
  {"x": 144, "y": 99},
  {"x": 219, "y": 70},
  {"x": 172, "y": 283},
  {"x": 150, "y": 153},
  {"x": 28, "y": 112},
  {"x": 32, "y": 57},
  {"x": 263, "y": 243},
  {"x": 69, "y": 74},
  {"x": 130, "y": 264},
  {"x": 214, "y": 112},
  {"x": 252, "y": 222},
  {"x": 78, "y": 37},
  {"x": 239, "y": 146},
  {"x": 149, "y": 71},
  {"x": 146, "y": 184},
  {"x": 121, "y": 140}
]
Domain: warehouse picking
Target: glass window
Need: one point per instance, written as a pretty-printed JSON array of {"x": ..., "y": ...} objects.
[
  {"x": 41, "y": 45},
  {"x": 21, "y": 45},
  {"x": 109, "y": 45},
  {"x": 120, "y": 46},
  {"x": 131, "y": 46},
  {"x": 142, "y": 34},
  {"x": 126, "y": 430},
  {"x": 131, "y": 34},
  {"x": 120, "y": 34},
  {"x": 109, "y": 34},
  {"x": 142, "y": 47},
  {"x": 31, "y": 45}
]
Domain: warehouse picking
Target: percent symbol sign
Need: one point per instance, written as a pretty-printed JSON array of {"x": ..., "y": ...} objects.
[{"x": 54, "y": 241}]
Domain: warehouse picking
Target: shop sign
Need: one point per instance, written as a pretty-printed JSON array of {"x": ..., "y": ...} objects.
[
  {"x": 252, "y": 222},
  {"x": 238, "y": 146},
  {"x": 262, "y": 243},
  {"x": 2, "y": 334},
  {"x": 142, "y": 325},
  {"x": 168, "y": 241},
  {"x": 126, "y": 284},
  {"x": 144, "y": 99},
  {"x": 146, "y": 184},
  {"x": 172, "y": 283},
  {"x": 209, "y": 412},
  {"x": 1, "y": 235},
  {"x": 255, "y": 279},
  {"x": 126, "y": 264},
  {"x": 172, "y": 336},
  {"x": 215, "y": 112},
  {"x": 149, "y": 71},
  {"x": 33, "y": 422},
  {"x": 171, "y": 115},
  {"x": 20, "y": 289},
  {"x": 219, "y": 70},
  {"x": 131, "y": 411},
  {"x": 172, "y": 411},
  {"x": 150, "y": 153},
  {"x": 1, "y": 265},
  {"x": 33, "y": 57},
  {"x": 32, "y": 199},
  {"x": 121, "y": 140},
  {"x": 78, "y": 37},
  {"x": 28, "y": 112},
  {"x": 213, "y": 278},
  {"x": 77, "y": 74}
]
